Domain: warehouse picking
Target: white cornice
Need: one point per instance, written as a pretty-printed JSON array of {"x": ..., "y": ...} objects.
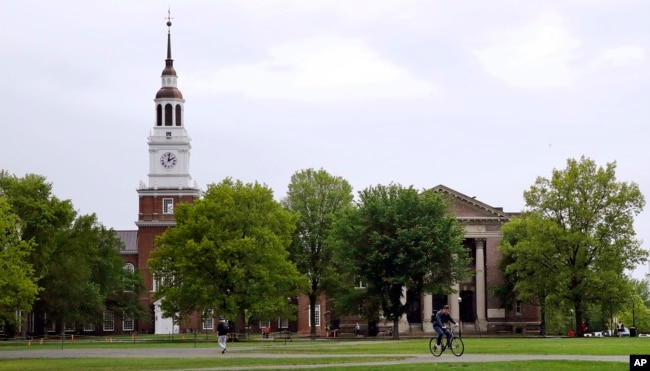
[
  {"x": 155, "y": 223},
  {"x": 169, "y": 192}
]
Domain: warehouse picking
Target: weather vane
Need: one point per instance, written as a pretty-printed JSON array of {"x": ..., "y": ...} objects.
[{"x": 169, "y": 16}]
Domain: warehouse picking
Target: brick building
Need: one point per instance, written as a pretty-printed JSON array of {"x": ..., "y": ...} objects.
[{"x": 169, "y": 184}]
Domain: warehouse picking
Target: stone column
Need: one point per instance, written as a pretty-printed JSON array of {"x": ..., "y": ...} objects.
[
  {"x": 480, "y": 283},
  {"x": 403, "y": 323},
  {"x": 427, "y": 310},
  {"x": 454, "y": 308}
]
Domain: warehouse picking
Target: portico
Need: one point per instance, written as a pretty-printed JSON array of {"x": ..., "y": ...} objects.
[{"x": 478, "y": 305}]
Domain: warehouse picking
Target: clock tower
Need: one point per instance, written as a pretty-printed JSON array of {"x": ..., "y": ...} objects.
[{"x": 169, "y": 180}]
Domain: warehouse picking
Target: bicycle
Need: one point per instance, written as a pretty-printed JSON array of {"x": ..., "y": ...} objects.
[{"x": 457, "y": 346}]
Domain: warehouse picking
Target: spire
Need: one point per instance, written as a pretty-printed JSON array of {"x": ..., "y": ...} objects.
[
  {"x": 169, "y": 89},
  {"x": 169, "y": 62}
]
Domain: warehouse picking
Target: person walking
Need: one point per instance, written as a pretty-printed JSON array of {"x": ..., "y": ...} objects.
[{"x": 222, "y": 334}]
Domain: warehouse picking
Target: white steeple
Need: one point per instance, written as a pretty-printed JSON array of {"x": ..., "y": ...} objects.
[{"x": 169, "y": 144}]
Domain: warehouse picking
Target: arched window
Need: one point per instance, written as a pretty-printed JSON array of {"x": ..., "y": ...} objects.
[
  {"x": 130, "y": 268},
  {"x": 168, "y": 114},
  {"x": 178, "y": 115},
  {"x": 159, "y": 115}
]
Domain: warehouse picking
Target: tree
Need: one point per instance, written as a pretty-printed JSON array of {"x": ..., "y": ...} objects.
[
  {"x": 402, "y": 243},
  {"x": 86, "y": 276},
  {"x": 315, "y": 197},
  {"x": 578, "y": 236},
  {"x": 524, "y": 281},
  {"x": 18, "y": 288},
  {"x": 75, "y": 258},
  {"x": 227, "y": 254}
]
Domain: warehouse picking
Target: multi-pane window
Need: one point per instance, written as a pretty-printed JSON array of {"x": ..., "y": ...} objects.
[
  {"x": 283, "y": 323},
  {"x": 69, "y": 327},
  {"x": 208, "y": 323},
  {"x": 265, "y": 324},
  {"x": 109, "y": 321},
  {"x": 89, "y": 327},
  {"x": 317, "y": 314},
  {"x": 127, "y": 323},
  {"x": 168, "y": 205}
]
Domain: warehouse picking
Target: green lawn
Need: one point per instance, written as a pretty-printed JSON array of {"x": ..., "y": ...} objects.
[{"x": 337, "y": 353}]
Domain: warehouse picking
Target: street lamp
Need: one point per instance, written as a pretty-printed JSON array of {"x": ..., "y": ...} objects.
[{"x": 460, "y": 323}]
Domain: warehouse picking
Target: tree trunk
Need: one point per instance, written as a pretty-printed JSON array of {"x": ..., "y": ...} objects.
[
  {"x": 396, "y": 329},
  {"x": 578, "y": 308}
]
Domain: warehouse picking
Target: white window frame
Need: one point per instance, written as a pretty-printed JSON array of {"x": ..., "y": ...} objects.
[
  {"x": 316, "y": 314},
  {"x": 89, "y": 327},
  {"x": 283, "y": 323},
  {"x": 127, "y": 323},
  {"x": 109, "y": 321},
  {"x": 208, "y": 323},
  {"x": 168, "y": 206}
]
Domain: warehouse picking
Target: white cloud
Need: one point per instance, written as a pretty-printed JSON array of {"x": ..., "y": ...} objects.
[
  {"x": 323, "y": 69},
  {"x": 617, "y": 57},
  {"x": 536, "y": 55},
  {"x": 357, "y": 11}
]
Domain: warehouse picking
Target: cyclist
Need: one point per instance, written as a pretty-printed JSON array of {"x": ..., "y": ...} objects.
[{"x": 441, "y": 318}]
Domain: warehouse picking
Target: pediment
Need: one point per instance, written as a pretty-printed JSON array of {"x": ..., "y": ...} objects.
[{"x": 469, "y": 208}]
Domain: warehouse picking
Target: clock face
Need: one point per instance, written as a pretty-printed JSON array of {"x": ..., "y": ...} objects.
[{"x": 168, "y": 160}]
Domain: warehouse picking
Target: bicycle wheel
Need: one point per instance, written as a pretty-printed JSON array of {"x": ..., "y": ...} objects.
[
  {"x": 457, "y": 346},
  {"x": 432, "y": 348}
]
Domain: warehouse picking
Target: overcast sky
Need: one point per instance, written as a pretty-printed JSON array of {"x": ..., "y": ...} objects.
[{"x": 480, "y": 96}]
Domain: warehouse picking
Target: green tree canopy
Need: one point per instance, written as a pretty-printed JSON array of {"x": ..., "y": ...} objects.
[
  {"x": 315, "y": 197},
  {"x": 227, "y": 255},
  {"x": 399, "y": 239},
  {"x": 576, "y": 237},
  {"x": 75, "y": 259},
  {"x": 18, "y": 288}
]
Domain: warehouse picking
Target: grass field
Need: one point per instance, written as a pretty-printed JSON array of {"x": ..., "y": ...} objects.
[{"x": 412, "y": 354}]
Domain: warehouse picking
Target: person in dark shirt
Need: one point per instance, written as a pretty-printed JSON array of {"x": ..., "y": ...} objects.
[
  {"x": 222, "y": 334},
  {"x": 441, "y": 319}
]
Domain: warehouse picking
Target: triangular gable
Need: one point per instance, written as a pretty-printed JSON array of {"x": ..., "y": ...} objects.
[{"x": 467, "y": 207}]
